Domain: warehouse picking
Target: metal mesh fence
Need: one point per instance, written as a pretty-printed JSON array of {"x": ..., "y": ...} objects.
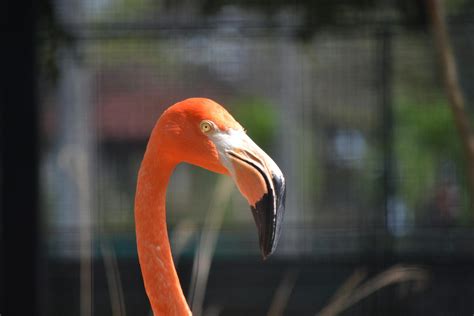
[{"x": 355, "y": 117}]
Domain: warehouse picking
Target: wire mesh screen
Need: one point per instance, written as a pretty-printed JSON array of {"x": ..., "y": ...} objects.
[{"x": 355, "y": 117}]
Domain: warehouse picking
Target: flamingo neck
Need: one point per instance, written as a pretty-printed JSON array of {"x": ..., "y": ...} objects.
[{"x": 159, "y": 274}]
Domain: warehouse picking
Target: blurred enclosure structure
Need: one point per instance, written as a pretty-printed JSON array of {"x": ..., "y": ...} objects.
[{"x": 347, "y": 97}]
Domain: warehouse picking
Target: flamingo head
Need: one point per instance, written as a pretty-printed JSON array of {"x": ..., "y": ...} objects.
[{"x": 201, "y": 132}]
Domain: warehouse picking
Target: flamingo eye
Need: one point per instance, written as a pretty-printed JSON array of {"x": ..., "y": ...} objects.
[{"x": 206, "y": 126}]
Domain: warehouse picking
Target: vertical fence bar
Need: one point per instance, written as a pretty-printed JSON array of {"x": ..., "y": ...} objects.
[
  {"x": 383, "y": 239},
  {"x": 19, "y": 160},
  {"x": 388, "y": 179}
]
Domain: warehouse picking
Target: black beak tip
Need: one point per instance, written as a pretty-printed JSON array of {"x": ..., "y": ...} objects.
[
  {"x": 268, "y": 215},
  {"x": 266, "y": 254}
]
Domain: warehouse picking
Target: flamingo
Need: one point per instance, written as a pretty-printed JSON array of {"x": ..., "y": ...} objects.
[{"x": 200, "y": 132}]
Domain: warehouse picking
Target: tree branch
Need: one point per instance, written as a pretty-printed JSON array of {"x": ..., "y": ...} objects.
[{"x": 453, "y": 89}]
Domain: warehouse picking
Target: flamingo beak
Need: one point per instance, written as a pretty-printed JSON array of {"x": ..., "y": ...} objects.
[{"x": 262, "y": 183}]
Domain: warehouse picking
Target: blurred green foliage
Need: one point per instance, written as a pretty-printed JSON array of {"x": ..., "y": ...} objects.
[
  {"x": 258, "y": 117},
  {"x": 125, "y": 10},
  {"x": 425, "y": 139}
]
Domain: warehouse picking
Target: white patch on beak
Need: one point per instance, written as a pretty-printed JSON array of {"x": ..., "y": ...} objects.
[{"x": 226, "y": 141}]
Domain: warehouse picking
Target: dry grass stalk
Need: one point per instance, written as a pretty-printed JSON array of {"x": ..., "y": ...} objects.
[
  {"x": 183, "y": 232},
  {"x": 351, "y": 292},
  {"x": 283, "y": 293},
  {"x": 114, "y": 282},
  {"x": 207, "y": 244}
]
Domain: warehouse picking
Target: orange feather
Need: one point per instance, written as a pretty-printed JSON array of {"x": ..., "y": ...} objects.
[{"x": 175, "y": 138}]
